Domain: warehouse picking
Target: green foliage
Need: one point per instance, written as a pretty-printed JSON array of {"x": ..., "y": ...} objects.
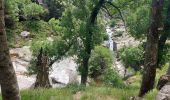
[
  {"x": 90, "y": 93},
  {"x": 74, "y": 29},
  {"x": 76, "y": 88},
  {"x": 15, "y": 9},
  {"x": 101, "y": 60},
  {"x": 54, "y": 24},
  {"x": 35, "y": 47},
  {"x": 33, "y": 11},
  {"x": 112, "y": 78},
  {"x": 112, "y": 23},
  {"x": 55, "y": 8},
  {"x": 21, "y": 14},
  {"x": 105, "y": 37},
  {"x": 165, "y": 56},
  {"x": 100, "y": 67},
  {"x": 55, "y": 50},
  {"x": 118, "y": 33},
  {"x": 38, "y": 28},
  {"x": 11, "y": 12},
  {"x": 132, "y": 57},
  {"x": 138, "y": 22},
  {"x": 10, "y": 37}
]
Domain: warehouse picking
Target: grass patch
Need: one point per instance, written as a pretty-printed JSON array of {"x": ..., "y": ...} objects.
[
  {"x": 76, "y": 92},
  {"x": 88, "y": 93}
]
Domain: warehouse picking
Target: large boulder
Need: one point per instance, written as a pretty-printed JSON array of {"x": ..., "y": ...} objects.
[
  {"x": 21, "y": 58},
  {"x": 164, "y": 88},
  {"x": 25, "y": 82},
  {"x": 64, "y": 73},
  {"x": 20, "y": 68},
  {"x": 164, "y": 93},
  {"x": 164, "y": 79}
]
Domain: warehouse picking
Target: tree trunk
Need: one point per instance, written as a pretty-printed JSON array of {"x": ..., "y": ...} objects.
[
  {"x": 84, "y": 73},
  {"x": 8, "y": 80},
  {"x": 89, "y": 42},
  {"x": 151, "y": 50},
  {"x": 42, "y": 79}
]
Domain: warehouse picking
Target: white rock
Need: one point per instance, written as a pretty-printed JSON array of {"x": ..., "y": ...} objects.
[
  {"x": 25, "y": 82},
  {"x": 25, "y": 34},
  {"x": 19, "y": 68},
  {"x": 164, "y": 93},
  {"x": 23, "y": 53},
  {"x": 65, "y": 71},
  {"x": 50, "y": 39}
]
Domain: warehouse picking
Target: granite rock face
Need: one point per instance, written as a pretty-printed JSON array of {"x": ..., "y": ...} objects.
[
  {"x": 64, "y": 72},
  {"x": 164, "y": 93}
]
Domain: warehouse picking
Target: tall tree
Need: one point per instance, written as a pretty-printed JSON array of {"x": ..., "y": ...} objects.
[
  {"x": 151, "y": 50},
  {"x": 8, "y": 80},
  {"x": 89, "y": 40},
  {"x": 82, "y": 30}
]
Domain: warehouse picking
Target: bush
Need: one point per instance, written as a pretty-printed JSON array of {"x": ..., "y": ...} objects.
[
  {"x": 118, "y": 34},
  {"x": 105, "y": 37},
  {"x": 164, "y": 56},
  {"x": 41, "y": 29},
  {"x": 33, "y": 11},
  {"x": 55, "y": 8},
  {"x": 112, "y": 23},
  {"x": 35, "y": 47},
  {"x": 101, "y": 60},
  {"x": 111, "y": 77},
  {"x": 100, "y": 67},
  {"x": 132, "y": 57},
  {"x": 55, "y": 50},
  {"x": 138, "y": 22},
  {"x": 11, "y": 12}
]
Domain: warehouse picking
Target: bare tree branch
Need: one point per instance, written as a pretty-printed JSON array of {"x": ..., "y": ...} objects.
[{"x": 107, "y": 11}]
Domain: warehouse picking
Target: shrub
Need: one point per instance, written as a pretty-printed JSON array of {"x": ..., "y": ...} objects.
[
  {"x": 118, "y": 34},
  {"x": 35, "y": 47},
  {"x": 41, "y": 29},
  {"x": 101, "y": 60},
  {"x": 132, "y": 57},
  {"x": 138, "y": 22},
  {"x": 33, "y": 11},
  {"x": 11, "y": 12},
  {"x": 112, "y": 23},
  {"x": 100, "y": 67},
  {"x": 55, "y": 8},
  {"x": 111, "y": 77},
  {"x": 105, "y": 37},
  {"x": 164, "y": 56}
]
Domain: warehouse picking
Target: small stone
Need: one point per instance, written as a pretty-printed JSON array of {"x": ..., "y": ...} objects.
[{"x": 25, "y": 34}]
